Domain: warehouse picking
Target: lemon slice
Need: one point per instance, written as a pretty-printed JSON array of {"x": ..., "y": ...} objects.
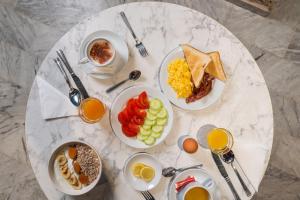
[
  {"x": 147, "y": 173},
  {"x": 136, "y": 169}
]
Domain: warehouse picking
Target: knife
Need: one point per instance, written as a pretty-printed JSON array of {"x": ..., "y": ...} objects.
[
  {"x": 76, "y": 79},
  {"x": 224, "y": 173}
]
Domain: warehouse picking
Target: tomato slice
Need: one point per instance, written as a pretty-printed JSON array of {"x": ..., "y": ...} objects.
[
  {"x": 140, "y": 113},
  {"x": 139, "y": 105},
  {"x": 144, "y": 95},
  {"x": 130, "y": 108},
  {"x": 128, "y": 132},
  {"x": 134, "y": 128},
  {"x": 130, "y": 101},
  {"x": 123, "y": 117},
  {"x": 137, "y": 120},
  {"x": 143, "y": 100}
]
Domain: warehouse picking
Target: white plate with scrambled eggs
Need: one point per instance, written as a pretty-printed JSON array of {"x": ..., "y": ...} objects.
[{"x": 181, "y": 73}]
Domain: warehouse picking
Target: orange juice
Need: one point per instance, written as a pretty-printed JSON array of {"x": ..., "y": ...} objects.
[
  {"x": 91, "y": 110},
  {"x": 197, "y": 193},
  {"x": 218, "y": 139}
]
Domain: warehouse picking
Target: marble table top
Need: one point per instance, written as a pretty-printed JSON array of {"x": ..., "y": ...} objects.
[{"x": 244, "y": 108}]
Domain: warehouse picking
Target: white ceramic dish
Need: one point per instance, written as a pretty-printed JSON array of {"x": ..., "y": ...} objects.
[
  {"x": 200, "y": 175},
  {"x": 120, "y": 60},
  {"x": 121, "y": 100},
  {"x": 88, "y": 59},
  {"x": 212, "y": 97},
  {"x": 139, "y": 184},
  {"x": 59, "y": 182}
]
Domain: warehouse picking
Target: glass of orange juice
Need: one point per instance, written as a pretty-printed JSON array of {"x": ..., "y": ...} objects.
[
  {"x": 219, "y": 140},
  {"x": 91, "y": 110}
]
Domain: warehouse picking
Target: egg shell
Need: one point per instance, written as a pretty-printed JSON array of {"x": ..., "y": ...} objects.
[{"x": 190, "y": 145}]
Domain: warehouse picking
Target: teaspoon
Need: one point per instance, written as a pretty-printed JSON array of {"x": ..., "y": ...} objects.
[
  {"x": 133, "y": 76},
  {"x": 229, "y": 159},
  {"x": 171, "y": 171},
  {"x": 74, "y": 94}
]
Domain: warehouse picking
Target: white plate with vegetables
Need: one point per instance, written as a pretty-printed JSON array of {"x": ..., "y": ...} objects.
[{"x": 141, "y": 116}]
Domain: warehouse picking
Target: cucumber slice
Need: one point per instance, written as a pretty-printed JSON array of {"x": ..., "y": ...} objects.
[
  {"x": 157, "y": 129},
  {"x": 150, "y": 116},
  {"x": 145, "y": 132},
  {"x": 155, "y": 104},
  {"x": 146, "y": 127},
  {"x": 142, "y": 137},
  {"x": 155, "y": 135},
  {"x": 150, "y": 140},
  {"x": 153, "y": 111},
  {"x": 149, "y": 122},
  {"x": 162, "y": 114},
  {"x": 161, "y": 121}
]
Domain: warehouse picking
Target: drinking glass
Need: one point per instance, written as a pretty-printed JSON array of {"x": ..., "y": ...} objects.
[
  {"x": 91, "y": 110},
  {"x": 219, "y": 140}
]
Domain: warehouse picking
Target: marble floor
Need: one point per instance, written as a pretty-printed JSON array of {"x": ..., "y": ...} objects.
[{"x": 29, "y": 28}]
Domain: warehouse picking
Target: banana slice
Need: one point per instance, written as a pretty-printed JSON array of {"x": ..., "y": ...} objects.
[
  {"x": 66, "y": 174},
  {"x": 77, "y": 186},
  {"x": 73, "y": 180},
  {"x": 61, "y": 159},
  {"x": 63, "y": 169}
]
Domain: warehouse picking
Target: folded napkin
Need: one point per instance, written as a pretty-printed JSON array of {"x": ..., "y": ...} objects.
[{"x": 54, "y": 104}]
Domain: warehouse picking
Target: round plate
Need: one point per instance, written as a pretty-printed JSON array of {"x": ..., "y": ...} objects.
[
  {"x": 215, "y": 93},
  {"x": 59, "y": 182},
  {"x": 117, "y": 64},
  {"x": 118, "y": 105},
  {"x": 199, "y": 174},
  {"x": 147, "y": 159}
]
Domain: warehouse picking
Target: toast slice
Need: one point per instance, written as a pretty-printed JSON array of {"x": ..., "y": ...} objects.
[
  {"x": 216, "y": 68},
  {"x": 197, "y": 62}
]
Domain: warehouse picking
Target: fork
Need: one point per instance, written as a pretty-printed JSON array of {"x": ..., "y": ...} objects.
[
  {"x": 138, "y": 44},
  {"x": 147, "y": 195}
]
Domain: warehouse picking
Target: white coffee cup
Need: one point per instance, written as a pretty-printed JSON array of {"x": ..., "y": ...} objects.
[
  {"x": 207, "y": 185},
  {"x": 88, "y": 58}
]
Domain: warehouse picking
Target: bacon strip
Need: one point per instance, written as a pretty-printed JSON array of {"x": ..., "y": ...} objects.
[{"x": 203, "y": 90}]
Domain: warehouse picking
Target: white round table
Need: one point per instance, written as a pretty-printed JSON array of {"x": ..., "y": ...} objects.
[{"x": 244, "y": 108}]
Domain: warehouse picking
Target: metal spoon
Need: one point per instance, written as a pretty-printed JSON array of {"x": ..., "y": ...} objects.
[
  {"x": 229, "y": 159},
  {"x": 171, "y": 171},
  {"x": 74, "y": 94},
  {"x": 133, "y": 76}
]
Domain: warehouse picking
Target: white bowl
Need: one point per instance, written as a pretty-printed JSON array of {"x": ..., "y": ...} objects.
[
  {"x": 118, "y": 105},
  {"x": 59, "y": 182},
  {"x": 212, "y": 97},
  {"x": 139, "y": 184}
]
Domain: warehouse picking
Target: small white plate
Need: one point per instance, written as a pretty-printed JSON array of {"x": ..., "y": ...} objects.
[
  {"x": 212, "y": 97},
  {"x": 147, "y": 159},
  {"x": 119, "y": 61},
  {"x": 200, "y": 176},
  {"x": 119, "y": 103},
  {"x": 59, "y": 182}
]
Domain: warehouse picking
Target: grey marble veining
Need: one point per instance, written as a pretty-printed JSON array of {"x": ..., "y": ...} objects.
[
  {"x": 60, "y": 14},
  {"x": 293, "y": 52},
  {"x": 269, "y": 34},
  {"x": 49, "y": 20},
  {"x": 288, "y": 12}
]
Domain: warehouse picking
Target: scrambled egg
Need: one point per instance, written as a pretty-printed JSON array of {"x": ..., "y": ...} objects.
[{"x": 179, "y": 77}]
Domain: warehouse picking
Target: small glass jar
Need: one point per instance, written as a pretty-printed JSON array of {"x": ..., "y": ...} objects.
[
  {"x": 91, "y": 110},
  {"x": 218, "y": 136}
]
